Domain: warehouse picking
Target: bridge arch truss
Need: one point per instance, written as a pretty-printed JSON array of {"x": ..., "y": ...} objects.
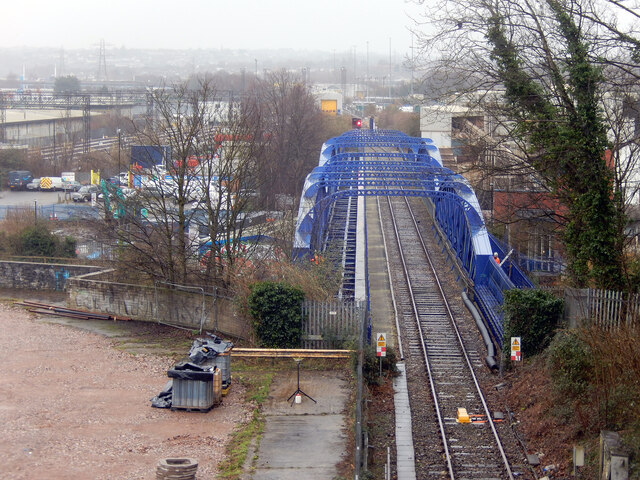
[{"x": 364, "y": 163}]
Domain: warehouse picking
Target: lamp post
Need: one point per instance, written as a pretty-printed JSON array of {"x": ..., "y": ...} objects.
[{"x": 119, "y": 132}]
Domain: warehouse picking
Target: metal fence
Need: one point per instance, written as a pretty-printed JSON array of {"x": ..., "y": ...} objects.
[
  {"x": 341, "y": 324},
  {"x": 332, "y": 324},
  {"x": 60, "y": 212},
  {"x": 607, "y": 309}
]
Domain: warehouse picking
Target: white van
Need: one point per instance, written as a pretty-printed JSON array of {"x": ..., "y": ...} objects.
[{"x": 49, "y": 184}]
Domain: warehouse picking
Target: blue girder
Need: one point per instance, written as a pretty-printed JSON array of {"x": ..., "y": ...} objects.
[{"x": 353, "y": 165}]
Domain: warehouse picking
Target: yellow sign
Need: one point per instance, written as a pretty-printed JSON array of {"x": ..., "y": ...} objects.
[{"x": 329, "y": 106}]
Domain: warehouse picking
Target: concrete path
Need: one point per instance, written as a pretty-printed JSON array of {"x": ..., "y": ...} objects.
[
  {"x": 305, "y": 440},
  {"x": 382, "y": 314},
  {"x": 405, "y": 462}
]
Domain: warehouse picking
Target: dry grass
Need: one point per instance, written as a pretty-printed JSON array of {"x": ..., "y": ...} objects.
[
  {"x": 17, "y": 220},
  {"x": 598, "y": 391},
  {"x": 615, "y": 380}
]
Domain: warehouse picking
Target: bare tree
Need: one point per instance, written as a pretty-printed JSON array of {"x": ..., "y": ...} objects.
[
  {"x": 197, "y": 193},
  {"x": 292, "y": 124}
]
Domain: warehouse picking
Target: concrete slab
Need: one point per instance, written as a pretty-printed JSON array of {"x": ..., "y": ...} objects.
[
  {"x": 327, "y": 388},
  {"x": 309, "y": 444},
  {"x": 382, "y": 313},
  {"x": 305, "y": 440},
  {"x": 405, "y": 460}
]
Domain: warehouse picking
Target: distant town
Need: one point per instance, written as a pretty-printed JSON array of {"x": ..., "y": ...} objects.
[{"x": 38, "y": 67}]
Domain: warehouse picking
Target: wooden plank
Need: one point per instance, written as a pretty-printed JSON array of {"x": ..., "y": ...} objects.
[{"x": 290, "y": 353}]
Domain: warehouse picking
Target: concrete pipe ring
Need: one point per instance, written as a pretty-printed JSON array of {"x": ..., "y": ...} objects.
[{"x": 177, "y": 469}]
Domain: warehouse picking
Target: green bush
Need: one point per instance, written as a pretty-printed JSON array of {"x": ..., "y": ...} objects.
[
  {"x": 570, "y": 364},
  {"x": 533, "y": 315},
  {"x": 276, "y": 309},
  {"x": 67, "y": 248},
  {"x": 371, "y": 364},
  {"x": 38, "y": 241}
]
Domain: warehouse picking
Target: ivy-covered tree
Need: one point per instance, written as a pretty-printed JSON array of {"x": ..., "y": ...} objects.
[
  {"x": 545, "y": 72},
  {"x": 567, "y": 140}
]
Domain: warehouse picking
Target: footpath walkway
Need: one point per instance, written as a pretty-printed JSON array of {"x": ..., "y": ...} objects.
[
  {"x": 303, "y": 440},
  {"x": 382, "y": 315}
]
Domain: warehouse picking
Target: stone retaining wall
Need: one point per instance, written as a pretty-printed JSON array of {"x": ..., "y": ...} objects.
[
  {"x": 193, "y": 309},
  {"x": 39, "y": 276}
]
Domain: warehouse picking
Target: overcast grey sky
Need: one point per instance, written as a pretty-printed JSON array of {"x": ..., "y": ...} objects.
[{"x": 247, "y": 24}]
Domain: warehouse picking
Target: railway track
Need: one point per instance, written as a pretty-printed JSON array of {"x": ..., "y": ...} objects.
[{"x": 440, "y": 369}]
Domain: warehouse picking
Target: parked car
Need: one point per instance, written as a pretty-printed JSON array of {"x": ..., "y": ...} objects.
[
  {"x": 19, "y": 179},
  {"x": 84, "y": 194},
  {"x": 71, "y": 186},
  {"x": 121, "y": 179},
  {"x": 34, "y": 184},
  {"x": 158, "y": 191},
  {"x": 125, "y": 194}
]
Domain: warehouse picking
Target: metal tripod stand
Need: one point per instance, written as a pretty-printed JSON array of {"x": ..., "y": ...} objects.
[{"x": 298, "y": 390}]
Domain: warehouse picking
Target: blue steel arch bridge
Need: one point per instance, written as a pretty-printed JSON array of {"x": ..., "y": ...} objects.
[{"x": 363, "y": 163}]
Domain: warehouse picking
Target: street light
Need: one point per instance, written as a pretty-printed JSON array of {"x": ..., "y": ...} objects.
[{"x": 119, "y": 157}]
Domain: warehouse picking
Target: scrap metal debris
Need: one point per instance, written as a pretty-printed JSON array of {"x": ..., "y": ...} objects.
[{"x": 202, "y": 350}]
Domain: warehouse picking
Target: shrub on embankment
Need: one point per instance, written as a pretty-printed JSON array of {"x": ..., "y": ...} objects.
[
  {"x": 533, "y": 315},
  {"x": 23, "y": 237},
  {"x": 575, "y": 382},
  {"x": 596, "y": 377}
]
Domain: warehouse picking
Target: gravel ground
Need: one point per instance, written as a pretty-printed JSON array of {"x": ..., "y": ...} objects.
[{"x": 72, "y": 406}]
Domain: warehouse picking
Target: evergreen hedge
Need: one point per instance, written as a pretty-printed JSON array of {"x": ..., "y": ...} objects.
[
  {"x": 276, "y": 308},
  {"x": 533, "y": 315}
]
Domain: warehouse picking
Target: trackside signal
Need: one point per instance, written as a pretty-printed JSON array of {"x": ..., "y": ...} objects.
[{"x": 356, "y": 122}]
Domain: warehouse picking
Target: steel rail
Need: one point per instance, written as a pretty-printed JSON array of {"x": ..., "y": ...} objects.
[
  {"x": 424, "y": 346},
  {"x": 460, "y": 342},
  {"x": 393, "y": 296}
]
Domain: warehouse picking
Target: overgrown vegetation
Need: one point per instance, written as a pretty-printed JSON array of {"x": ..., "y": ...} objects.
[
  {"x": 24, "y": 237},
  {"x": 596, "y": 383},
  {"x": 373, "y": 366},
  {"x": 38, "y": 240},
  {"x": 277, "y": 315},
  {"x": 597, "y": 372},
  {"x": 246, "y": 436},
  {"x": 533, "y": 315}
]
